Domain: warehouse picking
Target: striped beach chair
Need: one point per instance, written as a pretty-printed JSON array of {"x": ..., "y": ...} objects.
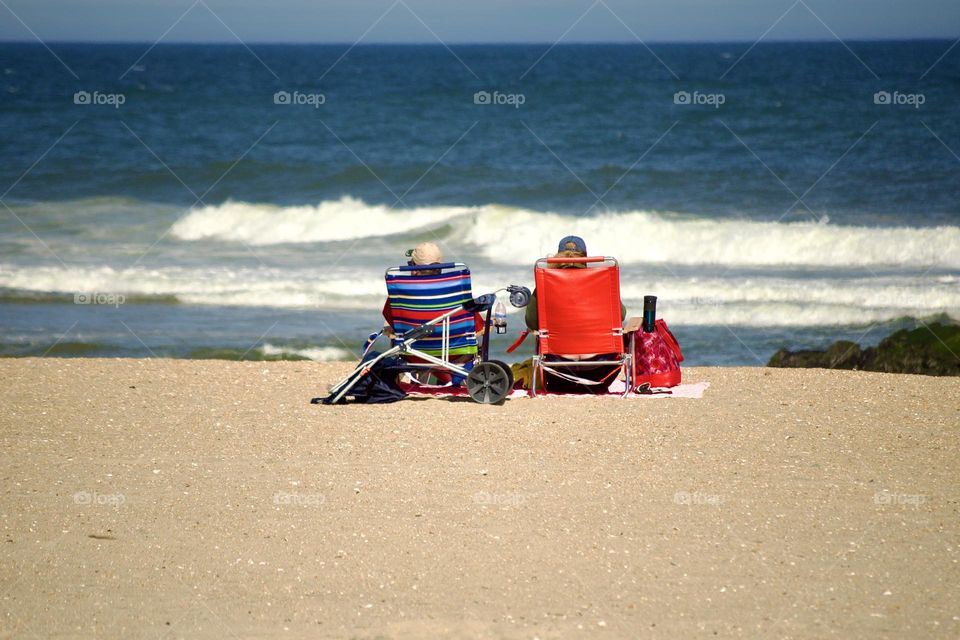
[
  {"x": 434, "y": 320},
  {"x": 417, "y": 298}
]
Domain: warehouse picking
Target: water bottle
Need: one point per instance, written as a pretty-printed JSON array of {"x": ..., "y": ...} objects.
[
  {"x": 500, "y": 318},
  {"x": 649, "y": 313}
]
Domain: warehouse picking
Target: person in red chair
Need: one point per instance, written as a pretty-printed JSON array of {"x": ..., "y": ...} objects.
[
  {"x": 569, "y": 247},
  {"x": 592, "y": 379}
]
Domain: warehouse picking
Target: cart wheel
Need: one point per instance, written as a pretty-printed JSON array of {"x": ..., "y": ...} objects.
[
  {"x": 506, "y": 367},
  {"x": 489, "y": 382}
]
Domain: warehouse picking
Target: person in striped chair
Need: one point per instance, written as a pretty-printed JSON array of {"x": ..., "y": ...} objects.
[{"x": 426, "y": 254}]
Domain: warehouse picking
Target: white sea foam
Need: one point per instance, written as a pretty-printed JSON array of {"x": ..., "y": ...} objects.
[
  {"x": 320, "y": 354},
  {"x": 911, "y": 295},
  {"x": 733, "y": 301},
  {"x": 508, "y": 235},
  {"x": 774, "y": 314},
  {"x": 264, "y": 287},
  {"x": 644, "y": 237},
  {"x": 344, "y": 219},
  {"x": 774, "y": 301}
]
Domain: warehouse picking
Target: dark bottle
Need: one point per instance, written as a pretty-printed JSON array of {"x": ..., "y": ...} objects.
[{"x": 649, "y": 313}]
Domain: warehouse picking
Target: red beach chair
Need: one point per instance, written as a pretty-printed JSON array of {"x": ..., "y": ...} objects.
[{"x": 579, "y": 317}]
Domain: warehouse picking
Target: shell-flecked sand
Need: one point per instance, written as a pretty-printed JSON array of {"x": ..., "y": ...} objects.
[{"x": 208, "y": 499}]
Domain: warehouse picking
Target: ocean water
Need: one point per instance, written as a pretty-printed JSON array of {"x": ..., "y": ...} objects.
[{"x": 220, "y": 201}]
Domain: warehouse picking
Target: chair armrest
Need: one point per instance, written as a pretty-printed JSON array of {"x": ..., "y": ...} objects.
[
  {"x": 518, "y": 342},
  {"x": 633, "y": 324}
]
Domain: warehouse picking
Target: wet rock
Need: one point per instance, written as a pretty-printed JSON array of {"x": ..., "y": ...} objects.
[{"x": 931, "y": 350}]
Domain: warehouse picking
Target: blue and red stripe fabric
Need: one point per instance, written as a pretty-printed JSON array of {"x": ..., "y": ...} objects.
[{"x": 417, "y": 299}]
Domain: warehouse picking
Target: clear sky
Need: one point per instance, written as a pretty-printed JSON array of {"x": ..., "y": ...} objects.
[{"x": 458, "y": 21}]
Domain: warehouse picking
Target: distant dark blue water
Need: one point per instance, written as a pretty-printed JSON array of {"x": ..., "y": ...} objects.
[{"x": 785, "y": 195}]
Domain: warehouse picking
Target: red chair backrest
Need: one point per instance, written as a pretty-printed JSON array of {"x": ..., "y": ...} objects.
[{"x": 579, "y": 308}]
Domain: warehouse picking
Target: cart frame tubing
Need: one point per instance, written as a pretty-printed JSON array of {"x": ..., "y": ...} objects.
[{"x": 343, "y": 387}]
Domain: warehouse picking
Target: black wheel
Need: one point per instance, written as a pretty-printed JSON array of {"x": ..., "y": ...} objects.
[
  {"x": 489, "y": 382},
  {"x": 509, "y": 371}
]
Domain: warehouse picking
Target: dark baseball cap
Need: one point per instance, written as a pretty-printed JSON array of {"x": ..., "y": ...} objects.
[{"x": 576, "y": 241}]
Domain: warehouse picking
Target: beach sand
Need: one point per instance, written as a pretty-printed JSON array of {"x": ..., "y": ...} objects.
[{"x": 164, "y": 499}]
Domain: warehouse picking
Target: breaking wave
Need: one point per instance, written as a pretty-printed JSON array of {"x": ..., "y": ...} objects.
[
  {"x": 507, "y": 235},
  {"x": 693, "y": 300}
]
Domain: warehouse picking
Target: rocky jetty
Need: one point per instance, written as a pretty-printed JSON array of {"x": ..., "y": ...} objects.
[{"x": 933, "y": 350}]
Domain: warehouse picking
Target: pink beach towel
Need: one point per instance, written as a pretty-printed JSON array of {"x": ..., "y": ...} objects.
[{"x": 689, "y": 390}]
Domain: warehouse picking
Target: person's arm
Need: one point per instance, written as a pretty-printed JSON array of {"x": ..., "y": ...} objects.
[
  {"x": 530, "y": 315},
  {"x": 479, "y": 324},
  {"x": 388, "y": 318}
]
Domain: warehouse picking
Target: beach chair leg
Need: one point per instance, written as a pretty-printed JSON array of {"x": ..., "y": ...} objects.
[
  {"x": 628, "y": 374},
  {"x": 629, "y": 362},
  {"x": 534, "y": 374}
]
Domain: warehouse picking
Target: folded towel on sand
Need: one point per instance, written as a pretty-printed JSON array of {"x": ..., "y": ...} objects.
[{"x": 693, "y": 390}]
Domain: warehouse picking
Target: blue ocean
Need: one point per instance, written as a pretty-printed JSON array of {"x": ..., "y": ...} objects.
[{"x": 202, "y": 201}]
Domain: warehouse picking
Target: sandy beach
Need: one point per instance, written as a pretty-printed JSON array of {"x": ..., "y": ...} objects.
[{"x": 207, "y": 499}]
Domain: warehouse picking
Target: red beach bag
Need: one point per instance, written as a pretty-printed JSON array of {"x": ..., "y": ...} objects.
[{"x": 656, "y": 357}]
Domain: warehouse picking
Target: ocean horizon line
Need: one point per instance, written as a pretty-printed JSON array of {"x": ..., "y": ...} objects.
[{"x": 511, "y": 43}]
